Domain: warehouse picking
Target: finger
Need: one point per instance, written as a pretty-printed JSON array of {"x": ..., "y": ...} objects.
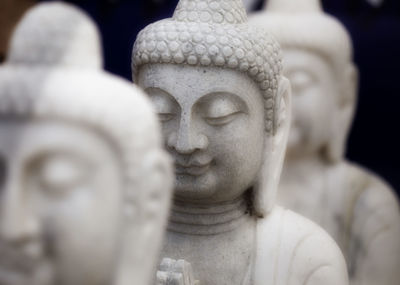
[
  {"x": 162, "y": 278},
  {"x": 167, "y": 264},
  {"x": 186, "y": 268},
  {"x": 175, "y": 279}
]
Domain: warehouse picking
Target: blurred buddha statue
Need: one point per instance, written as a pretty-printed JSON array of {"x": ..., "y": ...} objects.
[
  {"x": 85, "y": 184},
  {"x": 355, "y": 206},
  {"x": 216, "y": 84}
]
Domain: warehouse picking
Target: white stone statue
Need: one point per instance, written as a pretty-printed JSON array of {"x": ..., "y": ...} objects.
[
  {"x": 85, "y": 184},
  {"x": 355, "y": 206},
  {"x": 217, "y": 86}
]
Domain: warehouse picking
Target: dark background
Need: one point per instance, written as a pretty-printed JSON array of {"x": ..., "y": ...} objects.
[{"x": 374, "y": 141}]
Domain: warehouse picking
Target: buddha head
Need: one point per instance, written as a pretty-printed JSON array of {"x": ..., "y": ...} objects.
[
  {"x": 318, "y": 63},
  {"x": 216, "y": 84},
  {"x": 85, "y": 184}
]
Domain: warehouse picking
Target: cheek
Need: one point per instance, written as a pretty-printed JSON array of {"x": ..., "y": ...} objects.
[
  {"x": 310, "y": 109},
  {"x": 312, "y": 115},
  {"x": 78, "y": 220},
  {"x": 80, "y": 233},
  {"x": 239, "y": 144},
  {"x": 84, "y": 226}
]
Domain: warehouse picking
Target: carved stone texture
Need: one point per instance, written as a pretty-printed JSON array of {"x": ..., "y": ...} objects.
[
  {"x": 224, "y": 105},
  {"x": 85, "y": 184},
  {"x": 355, "y": 206}
]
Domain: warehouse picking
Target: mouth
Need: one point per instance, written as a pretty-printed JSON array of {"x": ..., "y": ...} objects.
[{"x": 192, "y": 169}]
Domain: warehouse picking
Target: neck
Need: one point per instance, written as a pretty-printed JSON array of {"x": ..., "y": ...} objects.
[{"x": 211, "y": 219}]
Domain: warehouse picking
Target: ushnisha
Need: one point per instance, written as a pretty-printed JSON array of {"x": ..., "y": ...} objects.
[
  {"x": 85, "y": 183},
  {"x": 224, "y": 105},
  {"x": 355, "y": 206}
]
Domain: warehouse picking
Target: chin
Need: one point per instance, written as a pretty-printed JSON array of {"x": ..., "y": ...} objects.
[{"x": 189, "y": 187}]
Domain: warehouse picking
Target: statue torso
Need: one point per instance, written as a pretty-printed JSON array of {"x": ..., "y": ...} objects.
[
  {"x": 281, "y": 249},
  {"x": 292, "y": 250},
  {"x": 219, "y": 259},
  {"x": 354, "y": 207}
]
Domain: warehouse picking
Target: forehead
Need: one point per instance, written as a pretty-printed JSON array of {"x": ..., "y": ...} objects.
[
  {"x": 190, "y": 83},
  {"x": 21, "y": 137}
]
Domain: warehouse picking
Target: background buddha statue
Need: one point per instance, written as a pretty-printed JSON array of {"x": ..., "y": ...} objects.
[
  {"x": 85, "y": 184},
  {"x": 216, "y": 84},
  {"x": 354, "y": 205}
]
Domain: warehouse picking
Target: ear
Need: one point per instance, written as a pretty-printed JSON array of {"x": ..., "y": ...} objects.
[
  {"x": 143, "y": 234},
  {"x": 345, "y": 111},
  {"x": 274, "y": 153}
]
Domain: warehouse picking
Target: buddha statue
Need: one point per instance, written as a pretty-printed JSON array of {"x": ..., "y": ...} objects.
[
  {"x": 224, "y": 106},
  {"x": 85, "y": 183},
  {"x": 356, "y": 207}
]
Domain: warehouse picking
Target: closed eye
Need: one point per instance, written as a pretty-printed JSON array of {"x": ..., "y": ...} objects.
[
  {"x": 165, "y": 117},
  {"x": 222, "y": 120},
  {"x": 301, "y": 81},
  {"x": 58, "y": 173},
  {"x": 164, "y": 103}
]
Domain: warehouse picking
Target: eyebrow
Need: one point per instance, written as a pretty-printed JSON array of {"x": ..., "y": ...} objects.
[
  {"x": 158, "y": 89},
  {"x": 161, "y": 92}
]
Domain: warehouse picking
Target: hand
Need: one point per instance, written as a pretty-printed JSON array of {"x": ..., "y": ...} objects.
[{"x": 174, "y": 272}]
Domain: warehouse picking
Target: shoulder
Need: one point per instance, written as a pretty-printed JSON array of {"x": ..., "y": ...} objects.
[
  {"x": 304, "y": 254},
  {"x": 375, "y": 217},
  {"x": 373, "y": 185},
  {"x": 376, "y": 199}
]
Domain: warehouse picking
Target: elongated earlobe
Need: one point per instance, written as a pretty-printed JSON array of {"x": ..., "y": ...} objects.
[{"x": 274, "y": 153}]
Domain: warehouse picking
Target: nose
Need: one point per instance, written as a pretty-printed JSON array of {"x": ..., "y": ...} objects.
[
  {"x": 187, "y": 138},
  {"x": 18, "y": 223}
]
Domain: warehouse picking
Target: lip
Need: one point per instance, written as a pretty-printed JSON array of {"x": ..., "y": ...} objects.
[{"x": 193, "y": 170}]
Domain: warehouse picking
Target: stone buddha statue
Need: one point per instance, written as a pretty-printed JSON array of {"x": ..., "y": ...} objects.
[
  {"x": 355, "y": 206},
  {"x": 224, "y": 105},
  {"x": 85, "y": 183}
]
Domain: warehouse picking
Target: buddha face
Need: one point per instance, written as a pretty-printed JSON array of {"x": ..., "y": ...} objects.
[
  {"x": 213, "y": 125},
  {"x": 314, "y": 93},
  {"x": 60, "y": 197}
]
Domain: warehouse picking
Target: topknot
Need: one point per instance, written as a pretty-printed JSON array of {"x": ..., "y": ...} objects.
[
  {"x": 291, "y": 6},
  {"x": 219, "y": 12},
  {"x": 213, "y": 33},
  {"x": 303, "y": 24},
  {"x": 54, "y": 34}
]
